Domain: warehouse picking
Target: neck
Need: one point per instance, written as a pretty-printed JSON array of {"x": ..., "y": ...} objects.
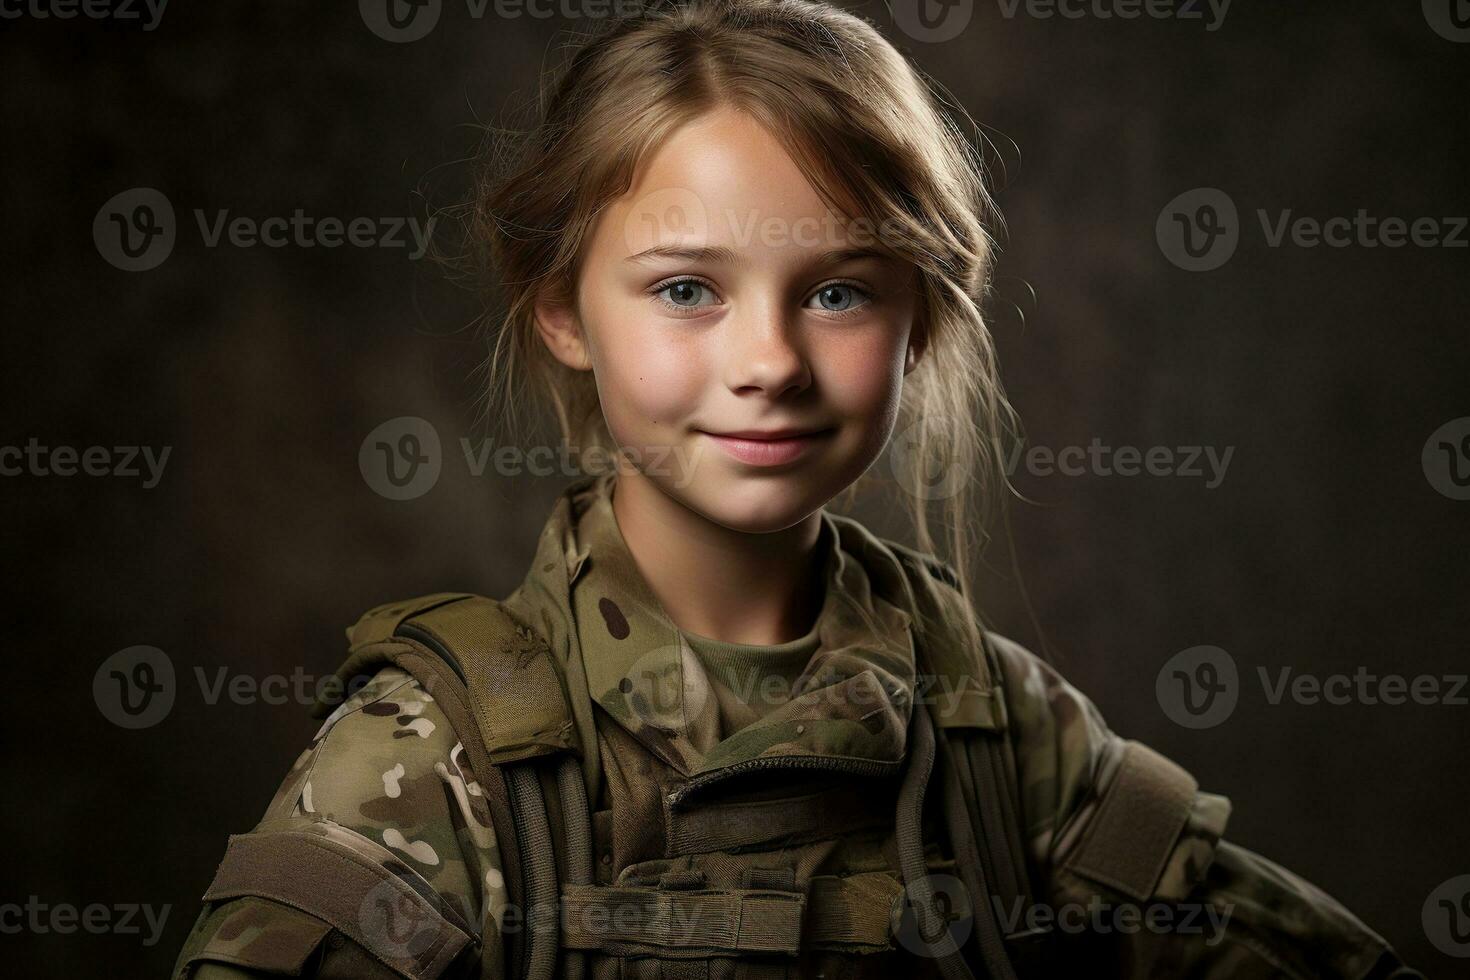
[{"x": 712, "y": 581}]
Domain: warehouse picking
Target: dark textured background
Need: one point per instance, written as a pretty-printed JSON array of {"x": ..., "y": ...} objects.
[{"x": 1325, "y": 548}]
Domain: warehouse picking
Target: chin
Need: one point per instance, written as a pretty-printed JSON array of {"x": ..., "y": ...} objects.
[{"x": 754, "y": 505}]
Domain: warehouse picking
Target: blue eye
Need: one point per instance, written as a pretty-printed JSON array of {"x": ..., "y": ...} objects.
[
  {"x": 685, "y": 293},
  {"x": 839, "y": 297}
]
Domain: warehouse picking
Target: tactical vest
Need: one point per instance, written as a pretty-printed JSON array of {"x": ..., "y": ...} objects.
[{"x": 771, "y": 868}]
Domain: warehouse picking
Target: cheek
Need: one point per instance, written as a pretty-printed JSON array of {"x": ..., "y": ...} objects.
[
  {"x": 648, "y": 378},
  {"x": 862, "y": 375}
]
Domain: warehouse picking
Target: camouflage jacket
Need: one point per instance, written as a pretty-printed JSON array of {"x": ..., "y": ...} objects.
[{"x": 387, "y": 782}]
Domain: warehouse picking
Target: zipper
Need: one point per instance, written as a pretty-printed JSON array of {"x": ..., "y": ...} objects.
[{"x": 856, "y": 767}]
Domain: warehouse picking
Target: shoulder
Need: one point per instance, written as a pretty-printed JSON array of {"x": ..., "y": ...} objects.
[
  {"x": 388, "y": 730},
  {"x": 1102, "y": 811},
  {"x": 388, "y": 766},
  {"x": 379, "y": 816}
]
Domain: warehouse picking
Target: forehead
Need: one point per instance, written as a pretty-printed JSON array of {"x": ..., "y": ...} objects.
[{"x": 723, "y": 180}]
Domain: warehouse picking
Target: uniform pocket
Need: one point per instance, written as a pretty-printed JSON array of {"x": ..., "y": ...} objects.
[
  {"x": 288, "y": 888},
  {"x": 257, "y": 935}
]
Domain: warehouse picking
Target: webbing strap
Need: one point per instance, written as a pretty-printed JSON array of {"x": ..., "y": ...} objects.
[
  {"x": 822, "y": 815},
  {"x": 713, "y": 921},
  {"x": 858, "y": 910},
  {"x": 382, "y": 912},
  {"x": 514, "y": 687},
  {"x": 851, "y": 912},
  {"x": 378, "y": 623},
  {"x": 1137, "y": 823}
]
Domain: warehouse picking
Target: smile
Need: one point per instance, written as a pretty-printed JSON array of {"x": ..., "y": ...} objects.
[{"x": 768, "y": 449}]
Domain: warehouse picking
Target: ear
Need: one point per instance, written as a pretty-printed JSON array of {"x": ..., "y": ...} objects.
[
  {"x": 918, "y": 344},
  {"x": 561, "y": 331},
  {"x": 918, "y": 331}
]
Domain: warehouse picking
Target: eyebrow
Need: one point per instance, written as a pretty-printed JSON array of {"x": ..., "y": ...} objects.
[
  {"x": 705, "y": 253},
  {"x": 721, "y": 254}
]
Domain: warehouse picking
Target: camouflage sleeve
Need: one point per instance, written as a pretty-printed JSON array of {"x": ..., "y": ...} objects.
[
  {"x": 376, "y": 858},
  {"x": 1134, "y": 870}
]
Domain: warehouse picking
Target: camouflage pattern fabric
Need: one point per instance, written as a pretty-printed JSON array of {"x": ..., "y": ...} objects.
[
  {"x": 385, "y": 771},
  {"x": 386, "y": 768},
  {"x": 1232, "y": 913},
  {"x": 853, "y": 700}
]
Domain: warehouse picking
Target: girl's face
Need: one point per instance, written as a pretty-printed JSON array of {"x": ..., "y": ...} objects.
[{"x": 749, "y": 345}]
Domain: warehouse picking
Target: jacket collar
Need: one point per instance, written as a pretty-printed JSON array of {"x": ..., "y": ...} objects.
[{"x": 852, "y": 701}]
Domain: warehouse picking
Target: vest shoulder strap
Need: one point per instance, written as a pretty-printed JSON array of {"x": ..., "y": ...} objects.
[
  {"x": 498, "y": 683},
  {"x": 981, "y": 777},
  {"x": 509, "y": 680}
]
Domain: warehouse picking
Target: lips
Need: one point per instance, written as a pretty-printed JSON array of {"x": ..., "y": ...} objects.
[{"x": 768, "y": 447}]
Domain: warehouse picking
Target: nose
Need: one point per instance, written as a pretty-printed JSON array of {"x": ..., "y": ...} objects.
[{"x": 764, "y": 357}]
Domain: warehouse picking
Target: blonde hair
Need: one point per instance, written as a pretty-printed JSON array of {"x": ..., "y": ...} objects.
[{"x": 862, "y": 124}]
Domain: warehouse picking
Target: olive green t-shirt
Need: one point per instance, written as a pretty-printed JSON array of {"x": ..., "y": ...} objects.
[{"x": 750, "y": 680}]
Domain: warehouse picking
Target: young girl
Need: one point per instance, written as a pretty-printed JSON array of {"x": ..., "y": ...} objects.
[{"x": 720, "y": 731}]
